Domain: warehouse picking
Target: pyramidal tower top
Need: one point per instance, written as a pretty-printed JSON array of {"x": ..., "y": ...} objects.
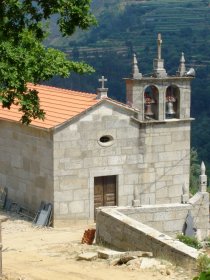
[
  {"x": 135, "y": 69},
  {"x": 158, "y": 63},
  {"x": 182, "y": 68}
]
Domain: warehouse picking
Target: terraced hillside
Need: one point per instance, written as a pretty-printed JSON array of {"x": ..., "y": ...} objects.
[
  {"x": 121, "y": 21},
  {"x": 128, "y": 26}
]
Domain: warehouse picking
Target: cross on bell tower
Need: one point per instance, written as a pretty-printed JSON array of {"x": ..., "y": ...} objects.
[
  {"x": 159, "y": 40},
  {"x": 158, "y": 63},
  {"x": 102, "y": 91}
]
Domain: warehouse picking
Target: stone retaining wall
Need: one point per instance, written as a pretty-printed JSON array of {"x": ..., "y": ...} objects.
[
  {"x": 121, "y": 232},
  {"x": 170, "y": 218}
]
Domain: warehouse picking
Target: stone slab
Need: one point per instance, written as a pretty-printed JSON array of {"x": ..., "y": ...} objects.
[
  {"x": 110, "y": 254},
  {"x": 90, "y": 256}
]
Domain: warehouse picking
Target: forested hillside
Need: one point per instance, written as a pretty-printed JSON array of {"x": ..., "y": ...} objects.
[{"x": 131, "y": 26}]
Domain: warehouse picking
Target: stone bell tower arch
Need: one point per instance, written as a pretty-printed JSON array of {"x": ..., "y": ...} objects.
[{"x": 162, "y": 103}]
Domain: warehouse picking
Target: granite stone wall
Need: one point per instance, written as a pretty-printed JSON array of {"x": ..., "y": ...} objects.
[
  {"x": 166, "y": 161},
  {"x": 152, "y": 158},
  {"x": 26, "y": 164},
  {"x": 170, "y": 218},
  {"x": 119, "y": 231},
  {"x": 166, "y": 218},
  {"x": 79, "y": 157}
]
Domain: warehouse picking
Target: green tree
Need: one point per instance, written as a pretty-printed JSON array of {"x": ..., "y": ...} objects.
[{"x": 24, "y": 58}]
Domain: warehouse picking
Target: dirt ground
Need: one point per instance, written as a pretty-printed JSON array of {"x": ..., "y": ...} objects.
[{"x": 51, "y": 254}]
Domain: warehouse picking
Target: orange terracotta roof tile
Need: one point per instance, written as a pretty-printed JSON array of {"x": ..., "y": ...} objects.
[{"x": 59, "y": 104}]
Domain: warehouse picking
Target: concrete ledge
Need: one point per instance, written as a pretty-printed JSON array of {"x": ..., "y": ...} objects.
[
  {"x": 162, "y": 121},
  {"x": 123, "y": 233}
]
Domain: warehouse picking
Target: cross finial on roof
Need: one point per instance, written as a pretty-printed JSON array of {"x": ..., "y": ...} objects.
[
  {"x": 159, "y": 41},
  {"x": 102, "y": 80}
]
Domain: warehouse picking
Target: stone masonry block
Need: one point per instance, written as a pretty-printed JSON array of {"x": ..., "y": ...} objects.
[
  {"x": 72, "y": 182},
  {"x": 64, "y": 208},
  {"x": 183, "y": 135},
  {"x": 81, "y": 194},
  {"x": 162, "y": 140},
  {"x": 108, "y": 151},
  {"x": 17, "y": 161},
  {"x": 76, "y": 207},
  {"x": 177, "y": 146},
  {"x": 160, "y": 184},
  {"x": 179, "y": 170},
  {"x": 123, "y": 200},
  {"x": 151, "y": 157},
  {"x": 142, "y": 217},
  {"x": 99, "y": 161},
  {"x": 132, "y": 159},
  {"x": 74, "y": 164},
  {"x": 127, "y": 133},
  {"x": 128, "y": 190},
  {"x": 158, "y": 149},
  {"x": 59, "y": 153},
  {"x": 162, "y": 192},
  {"x": 158, "y": 225},
  {"x": 169, "y": 156},
  {"x": 178, "y": 179},
  {"x": 56, "y": 207},
  {"x": 102, "y": 132},
  {"x": 175, "y": 191},
  {"x": 72, "y": 152},
  {"x": 105, "y": 110},
  {"x": 131, "y": 179},
  {"x": 87, "y": 118},
  {"x": 174, "y": 226},
  {"x": 63, "y": 195},
  {"x": 73, "y": 127},
  {"x": 148, "y": 198},
  {"x": 116, "y": 160},
  {"x": 181, "y": 214},
  {"x": 148, "y": 178},
  {"x": 165, "y": 216}
]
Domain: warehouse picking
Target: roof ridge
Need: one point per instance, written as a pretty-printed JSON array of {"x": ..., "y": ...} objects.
[
  {"x": 61, "y": 89},
  {"x": 120, "y": 103}
]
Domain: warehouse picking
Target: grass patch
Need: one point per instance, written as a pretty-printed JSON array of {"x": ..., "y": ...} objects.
[{"x": 190, "y": 241}]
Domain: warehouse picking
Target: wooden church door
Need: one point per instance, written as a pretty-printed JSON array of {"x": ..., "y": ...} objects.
[{"x": 104, "y": 192}]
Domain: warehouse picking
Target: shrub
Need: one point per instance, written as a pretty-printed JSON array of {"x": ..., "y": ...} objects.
[
  {"x": 205, "y": 275},
  {"x": 203, "y": 263},
  {"x": 190, "y": 241}
]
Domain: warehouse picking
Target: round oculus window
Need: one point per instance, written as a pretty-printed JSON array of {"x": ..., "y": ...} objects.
[{"x": 106, "y": 140}]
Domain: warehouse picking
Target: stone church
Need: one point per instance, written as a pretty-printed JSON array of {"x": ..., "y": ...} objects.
[{"x": 93, "y": 151}]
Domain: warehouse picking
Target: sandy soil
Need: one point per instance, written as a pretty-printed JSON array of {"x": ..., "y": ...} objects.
[{"x": 46, "y": 253}]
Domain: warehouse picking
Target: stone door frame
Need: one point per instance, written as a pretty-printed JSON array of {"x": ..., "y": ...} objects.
[{"x": 100, "y": 173}]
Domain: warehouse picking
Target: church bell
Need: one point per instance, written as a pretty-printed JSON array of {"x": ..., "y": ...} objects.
[
  {"x": 148, "y": 110},
  {"x": 170, "y": 109}
]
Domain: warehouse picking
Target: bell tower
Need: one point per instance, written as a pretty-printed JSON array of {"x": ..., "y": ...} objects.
[{"x": 162, "y": 103}]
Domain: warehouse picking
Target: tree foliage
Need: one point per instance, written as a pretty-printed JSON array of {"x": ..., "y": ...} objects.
[{"x": 24, "y": 58}]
